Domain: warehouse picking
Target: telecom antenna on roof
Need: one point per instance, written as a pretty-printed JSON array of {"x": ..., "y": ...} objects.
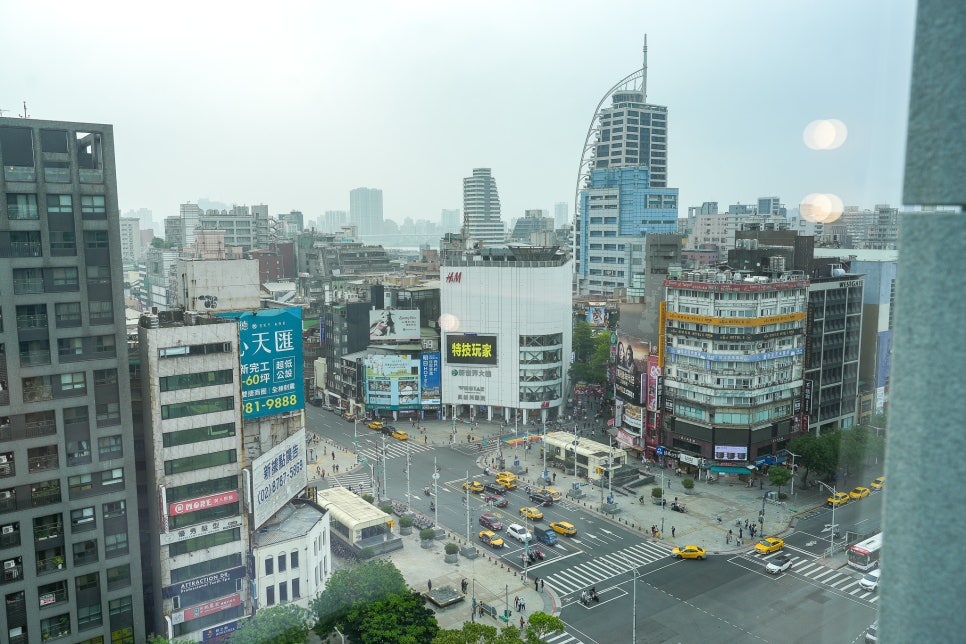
[
  {"x": 644, "y": 71},
  {"x": 25, "y": 115}
]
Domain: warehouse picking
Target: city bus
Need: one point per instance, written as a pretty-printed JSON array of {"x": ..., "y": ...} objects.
[{"x": 865, "y": 554}]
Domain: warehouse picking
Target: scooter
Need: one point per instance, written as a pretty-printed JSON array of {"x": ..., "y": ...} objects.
[
  {"x": 426, "y": 491},
  {"x": 678, "y": 508},
  {"x": 432, "y": 506}
]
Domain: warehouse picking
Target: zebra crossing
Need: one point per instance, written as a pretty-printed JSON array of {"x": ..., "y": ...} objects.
[
  {"x": 394, "y": 449},
  {"x": 844, "y": 580},
  {"x": 561, "y": 638},
  {"x": 601, "y": 568},
  {"x": 358, "y": 481}
]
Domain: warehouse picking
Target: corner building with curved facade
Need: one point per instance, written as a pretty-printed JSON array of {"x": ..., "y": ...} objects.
[{"x": 505, "y": 332}]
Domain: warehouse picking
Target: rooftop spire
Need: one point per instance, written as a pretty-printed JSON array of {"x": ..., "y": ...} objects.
[{"x": 644, "y": 71}]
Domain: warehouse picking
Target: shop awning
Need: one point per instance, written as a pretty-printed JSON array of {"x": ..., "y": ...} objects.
[{"x": 729, "y": 469}]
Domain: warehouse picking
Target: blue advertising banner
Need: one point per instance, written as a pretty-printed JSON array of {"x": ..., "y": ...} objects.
[
  {"x": 430, "y": 382},
  {"x": 271, "y": 361},
  {"x": 391, "y": 382}
]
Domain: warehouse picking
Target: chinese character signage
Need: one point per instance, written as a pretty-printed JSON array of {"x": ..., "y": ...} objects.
[
  {"x": 277, "y": 476},
  {"x": 429, "y": 376},
  {"x": 387, "y": 324},
  {"x": 271, "y": 361},
  {"x": 208, "y": 608},
  {"x": 203, "y": 503},
  {"x": 471, "y": 349},
  {"x": 392, "y": 382}
]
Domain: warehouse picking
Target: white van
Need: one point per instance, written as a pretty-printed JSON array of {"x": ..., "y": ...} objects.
[{"x": 871, "y": 580}]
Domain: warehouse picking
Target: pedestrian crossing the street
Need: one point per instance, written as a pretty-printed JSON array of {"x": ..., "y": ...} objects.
[
  {"x": 844, "y": 580},
  {"x": 601, "y": 568}
]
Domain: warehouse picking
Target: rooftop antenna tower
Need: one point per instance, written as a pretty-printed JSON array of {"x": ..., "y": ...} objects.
[
  {"x": 25, "y": 115},
  {"x": 644, "y": 71}
]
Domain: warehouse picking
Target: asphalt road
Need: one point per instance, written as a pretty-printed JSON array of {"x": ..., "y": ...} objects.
[{"x": 721, "y": 599}]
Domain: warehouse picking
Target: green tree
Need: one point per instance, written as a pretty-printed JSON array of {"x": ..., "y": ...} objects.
[
  {"x": 860, "y": 446},
  {"x": 819, "y": 455},
  {"x": 583, "y": 341},
  {"x": 540, "y": 625},
  {"x": 400, "y": 617},
  {"x": 368, "y": 582},
  {"x": 779, "y": 476},
  {"x": 161, "y": 639},
  {"x": 282, "y": 624},
  {"x": 590, "y": 365}
]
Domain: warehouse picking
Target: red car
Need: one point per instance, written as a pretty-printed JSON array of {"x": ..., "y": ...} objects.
[
  {"x": 491, "y": 522},
  {"x": 497, "y": 500}
]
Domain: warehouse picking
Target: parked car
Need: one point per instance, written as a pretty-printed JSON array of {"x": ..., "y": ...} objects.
[
  {"x": 519, "y": 533},
  {"x": 859, "y": 492},
  {"x": 877, "y": 484},
  {"x": 778, "y": 564},
  {"x": 491, "y": 522},
  {"x": 871, "y": 580},
  {"x": 837, "y": 499},
  {"x": 547, "y": 536},
  {"x": 769, "y": 544},
  {"x": 564, "y": 528},
  {"x": 491, "y": 539},
  {"x": 689, "y": 552},
  {"x": 498, "y": 500}
]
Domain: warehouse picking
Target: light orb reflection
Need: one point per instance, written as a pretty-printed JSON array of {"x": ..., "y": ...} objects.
[
  {"x": 825, "y": 134},
  {"x": 449, "y": 322},
  {"x": 821, "y": 208}
]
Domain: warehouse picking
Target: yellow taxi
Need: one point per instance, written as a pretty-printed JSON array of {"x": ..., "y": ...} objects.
[
  {"x": 552, "y": 493},
  {"x": 562, "y": 527},
  {"x": 531, "y": 513},
  {"x": 859, "y": 493},
  {"x": 399, "y": 434},
  {"x": 491, "y": 538},
  {"x": 506, "y": 475},
  {"x": 507, "y": 482},
  {"x": 837, "y": 499},
  {"x": 768, "y": 545},
  {"x": 376, "y": 424},
  {"x": 878, "y": 483},
  {"x": 689, "y": 552},
  {"x": 475, "y": 486}
]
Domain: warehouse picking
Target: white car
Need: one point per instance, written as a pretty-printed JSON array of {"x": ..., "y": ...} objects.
[
  {"x": 871, "y": 580},
  {"x": 778, "y": 564},
  {"x": 519, "y": 533}
]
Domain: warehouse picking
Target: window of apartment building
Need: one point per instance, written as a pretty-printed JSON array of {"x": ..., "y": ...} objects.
[
  {"x": 22, "y": 206},
  {"x": 109, "y": 447},
  {"x": 112, "y": 476},
  {"x": 67, "y": 314},
  {"x": 96, "y": 239},
  {"x": 206, "y": 541},
  {"x": 269, "y": 565},
  {"x": 83, "y": 519},
  {"x": 294, "y": 559},
  {"x": 281, "y": 563},
  {"x": 195, "y": 407},
  {"x": 60, "y": 204},
  {"x": 270, "y": 595},
  {"x": 192, "y": 380},
  {"x": 201, "y": 461},
  {"x": 85, "y": 552},
  {"x": 115, "y": 544},
  {"x": 101, "y": 312},
  {"x": 119, "y": 576},
  {"x": 105, "y": 377},
  {"x": 283, "y": 592},
  {"x": 121, "y": 605},
  {"x": 98, "y": 274},
  {"x": 73, "y": 381},
  {"x": 89, "y": 616},
  {"x": 79, "y": 483},
  {"x": 104, "y": 345},
  {"x": 114, "y": 509},
  {"x": 63, "y": 243},
  {"x": 64, "y": 276},
  {"x": 93, "y": 207},
  {"x": 68, "y": 347},
  {"x": 198, "y": 434}
]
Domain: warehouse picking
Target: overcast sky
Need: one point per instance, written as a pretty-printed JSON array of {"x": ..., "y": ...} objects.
[{"x": 293, "y": 104}]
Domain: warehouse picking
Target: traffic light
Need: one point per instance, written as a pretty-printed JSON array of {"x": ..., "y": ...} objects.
[{"x": 600, "y": 470}]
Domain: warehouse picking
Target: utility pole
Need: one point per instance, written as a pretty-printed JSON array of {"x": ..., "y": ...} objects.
[
  {"x": 435, "y": 493},
  {"x": 408, "y": 463},
  {"x": 467, "y": 505},
  {"x": 385, "y": 493},
  {"x": 546, "y": 474}
]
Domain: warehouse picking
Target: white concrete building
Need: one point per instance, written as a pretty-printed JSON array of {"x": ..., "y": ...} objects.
[
  {"x": 130, "y": 239},
  {"x": 481, "y": 209},
  {"x": 506, "y": 331},
  {"x": 293, "y": 559}
]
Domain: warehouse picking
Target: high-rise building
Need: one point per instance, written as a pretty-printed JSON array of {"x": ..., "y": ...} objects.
[
  {"x": 561, "y": 214},
  {"x": 68, "y": 494},
  {"x": 623, "y": 191},
  {"x": 190, "y": 219},
  {"x": 365, "y": 210},
  {"x": 450, "y": 220},
  {"x": 130, "y": 239},
  {"x": 481, "y": 209},
  {"x": 333, "y": 220}
]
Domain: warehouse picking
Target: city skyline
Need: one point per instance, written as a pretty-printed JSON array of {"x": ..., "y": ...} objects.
[{"x": 345, "y": 95}]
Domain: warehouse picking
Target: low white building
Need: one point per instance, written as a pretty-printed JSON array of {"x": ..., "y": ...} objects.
[
  {"x": 506, "y": 331},
  {"x": 293, "y": 560}
]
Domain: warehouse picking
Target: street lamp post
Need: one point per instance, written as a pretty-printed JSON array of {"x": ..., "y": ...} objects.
[
  {"x": 355, "y": 437},
  {"x": 546, "y": 474},
  {"x": 793, "y": 469},
  {"x": 634, "y": 610},
  {"x": 435, "y": 493},
  {"x": 408, "y": 463},
  {"x": 831, "y": 536},
  {"x": 385, "y": 490}
]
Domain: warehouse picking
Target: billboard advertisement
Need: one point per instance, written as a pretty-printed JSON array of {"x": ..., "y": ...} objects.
[
  {"x": 389, "y": 324},
  {"x": 277, "y": 476},
  {"x": 471, "y": 349},
  {"x": 597, "y": 314},
  {"x": 653, "y": 376},
  {"x": 271, "y": 361},
  {"x": 208, "y": 608},
  {"x": 429, "y": 379},
  {"x": 731, "y": 453},
  {"x": 632, "y": 353},
  {"x": 391, "y": 382},
  {"x": 202, "y": 503}
]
